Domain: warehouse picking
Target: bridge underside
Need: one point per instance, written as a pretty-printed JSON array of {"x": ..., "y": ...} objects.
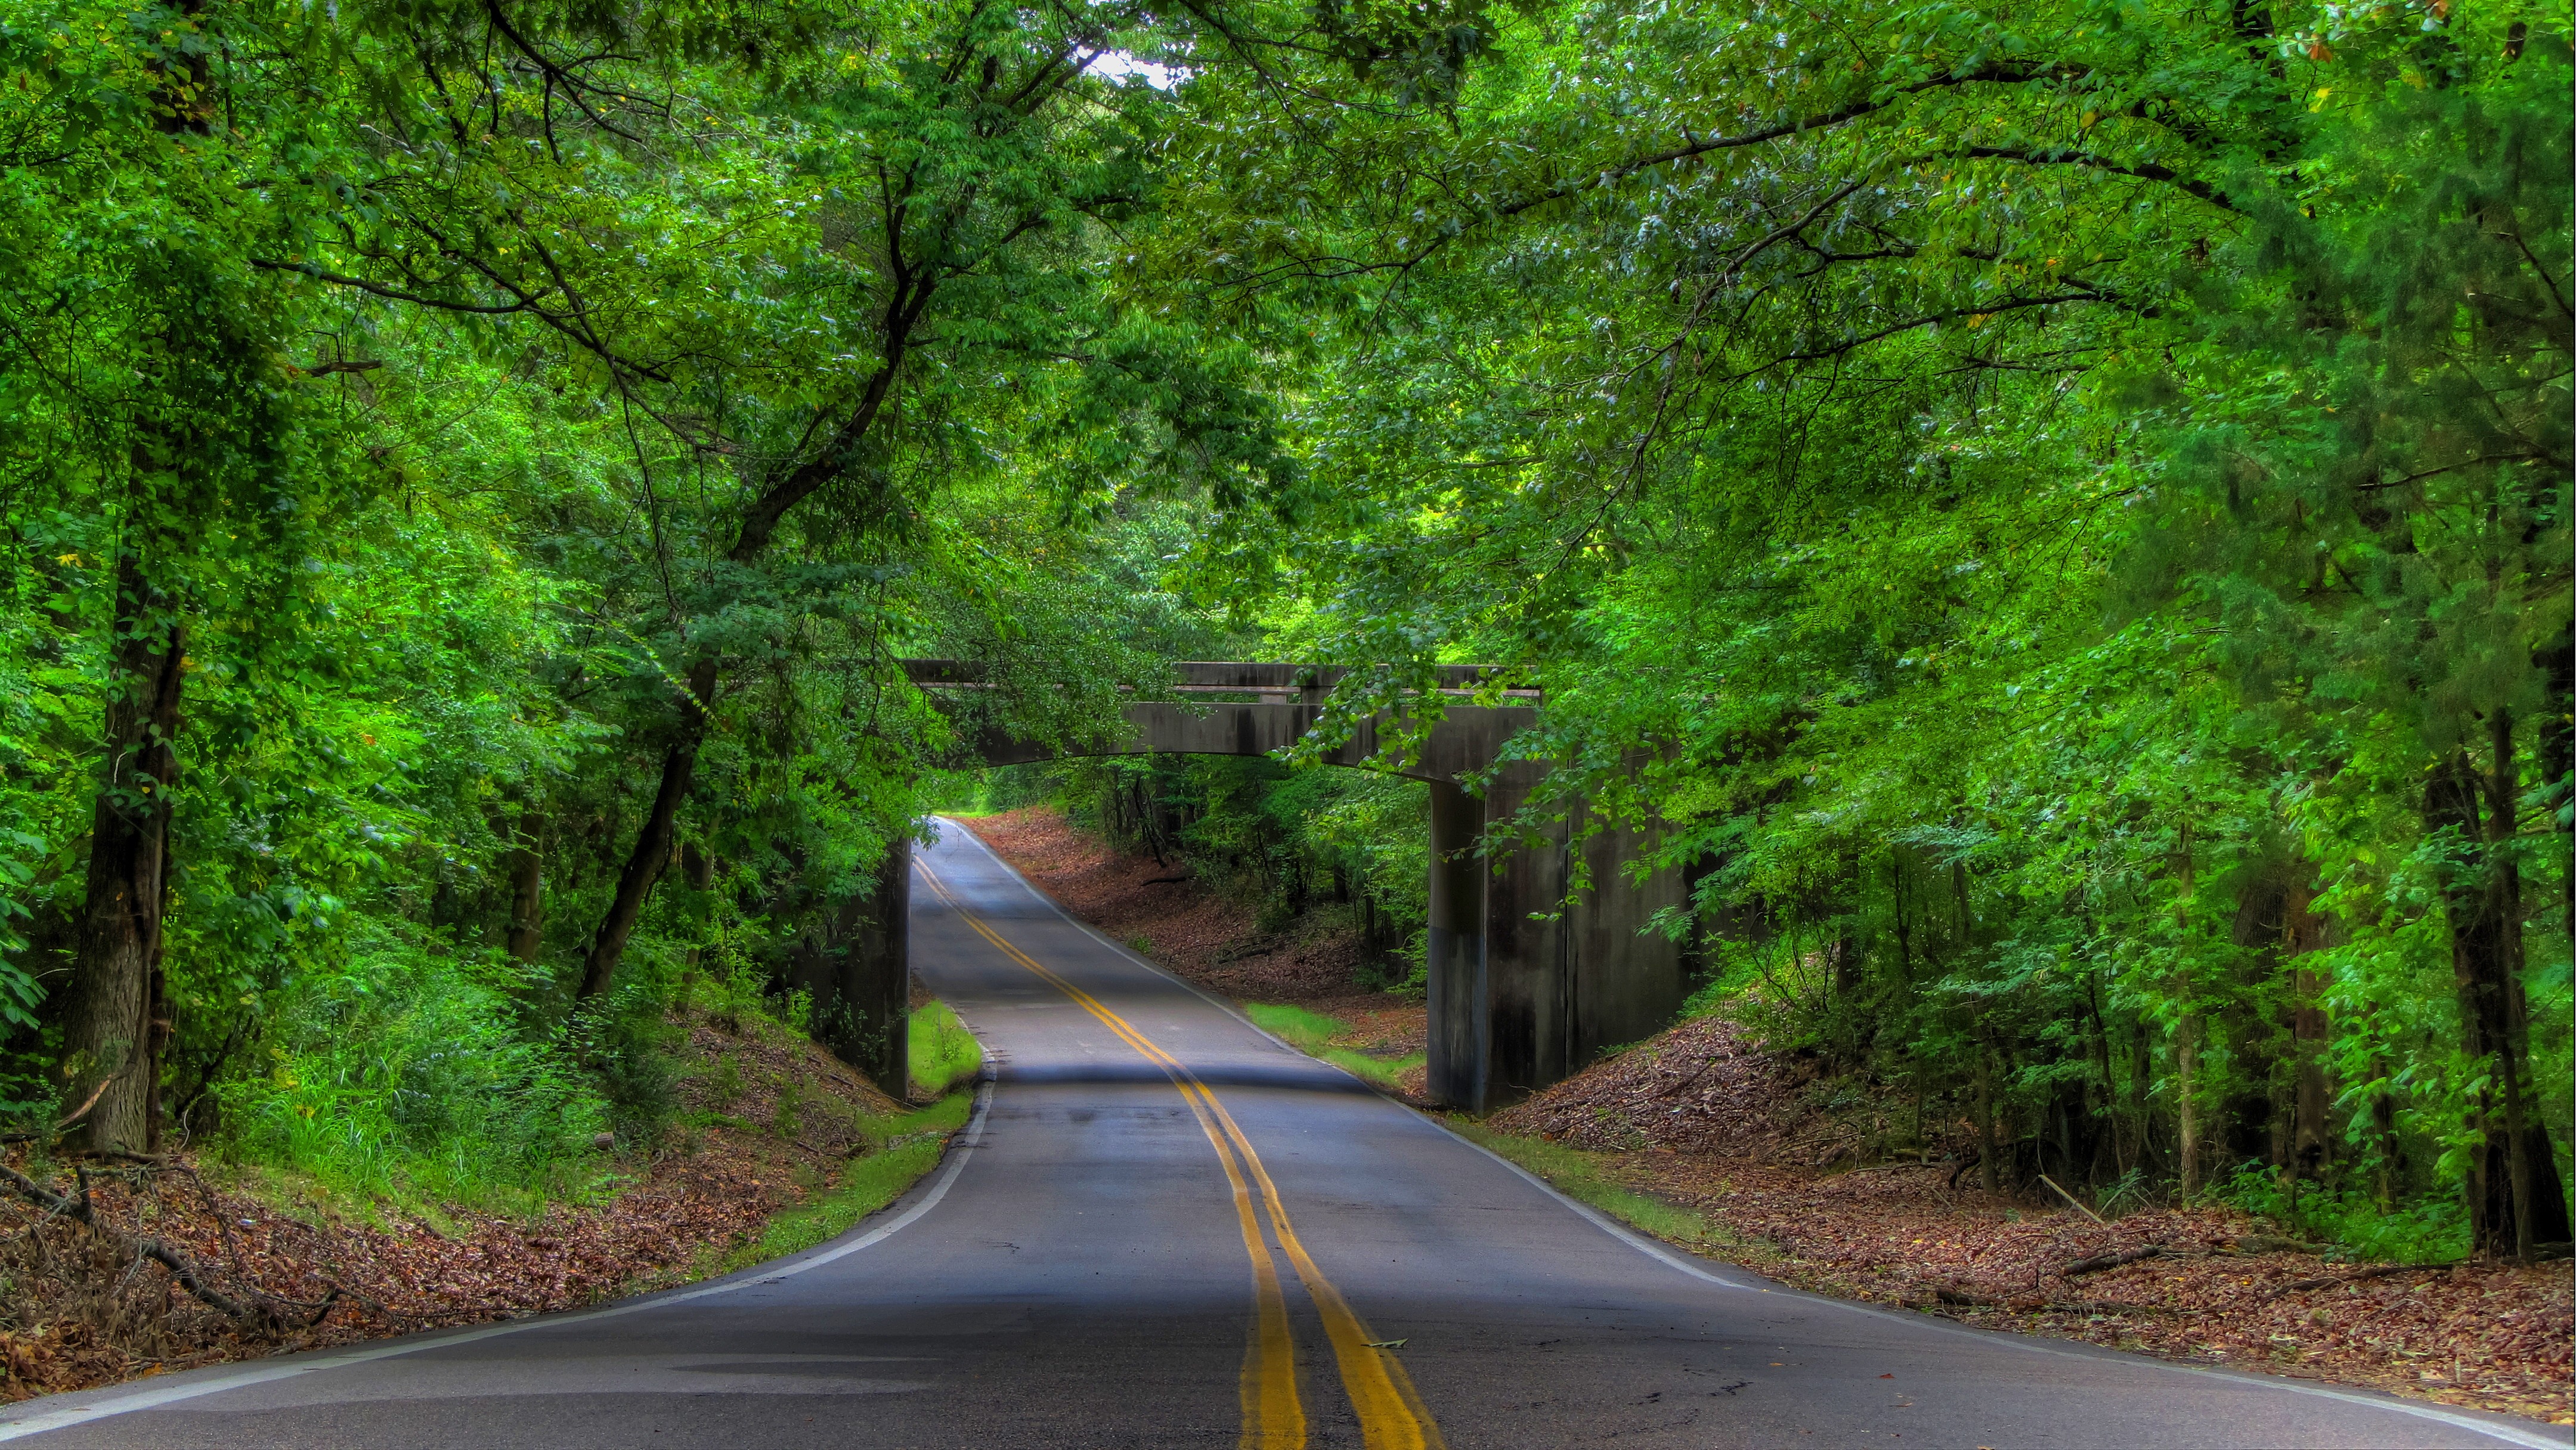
[{"x": 1521, "y": 993}]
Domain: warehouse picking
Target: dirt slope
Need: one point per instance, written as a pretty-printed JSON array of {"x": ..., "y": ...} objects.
[{"x": 766, "y": 1120}]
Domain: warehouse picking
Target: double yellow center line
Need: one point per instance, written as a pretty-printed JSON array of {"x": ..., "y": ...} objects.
[{"x": 1390, "y": 1412}]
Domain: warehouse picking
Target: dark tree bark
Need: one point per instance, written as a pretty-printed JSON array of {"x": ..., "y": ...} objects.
[
  {"x": 527, "y": 875},
  {"x": 108, "y": 1022},
  {"x": 2304, "y": 932},
  {"x": 1989, "y": 1148},
  {"x": 644, "y": 864},
  {"x": 2515, "y": 1200}
]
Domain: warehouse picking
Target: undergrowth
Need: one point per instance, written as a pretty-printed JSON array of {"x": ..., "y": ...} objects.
[
  {"x": 409, "y": 1078},
  {"x": 2433, "y": 1231},
  {"x": 942, "y": 1053}
]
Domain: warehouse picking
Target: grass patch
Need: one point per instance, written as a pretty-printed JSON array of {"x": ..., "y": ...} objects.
[
  {"x": 904, "y": 1148},
  {"x": 1308, "y": 1032},
  {"x": 1312, "y": 1033},
  {"x": 1578, "y": 1175},
  {"x": 1384, "y": 1071},
  {"x": 942, "y": 1053}
]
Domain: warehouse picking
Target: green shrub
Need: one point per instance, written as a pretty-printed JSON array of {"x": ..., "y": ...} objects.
[
  {"x": 942, "y": 1053},
  {"x": 2429, "y": 1231},
  {"x": 406, "y": 1076},
  {"x": 637, "y": 1070},
  {"x": 724, "y": 1082}
]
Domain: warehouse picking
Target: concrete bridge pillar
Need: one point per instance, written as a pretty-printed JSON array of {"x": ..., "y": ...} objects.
[
  {"x": 1559, "y": 980},
  {"x": 860, "y": 976},
  {"x": 1458, "y": 1054}
]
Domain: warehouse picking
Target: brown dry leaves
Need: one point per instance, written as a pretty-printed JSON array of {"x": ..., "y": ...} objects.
[
  {"x": 74, "y": 1320},
  {"x": 1701, "y": 1117}
]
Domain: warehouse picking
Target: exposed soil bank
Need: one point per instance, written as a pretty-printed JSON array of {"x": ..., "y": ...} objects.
[{"x": 767, "y": 1122}]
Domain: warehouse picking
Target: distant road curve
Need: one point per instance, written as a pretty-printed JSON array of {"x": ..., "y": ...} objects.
[{"x": 1164, "y": 1229}]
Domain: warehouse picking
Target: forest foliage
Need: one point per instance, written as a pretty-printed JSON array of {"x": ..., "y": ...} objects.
[{"x": 2057, "y": 518}]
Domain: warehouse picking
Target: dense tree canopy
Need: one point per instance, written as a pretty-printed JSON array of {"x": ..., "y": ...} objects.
[{"x": 2062, "y": 515}]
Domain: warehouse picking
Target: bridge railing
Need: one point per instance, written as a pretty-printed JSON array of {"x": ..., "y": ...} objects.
[{"x": 1306, "y": 684}]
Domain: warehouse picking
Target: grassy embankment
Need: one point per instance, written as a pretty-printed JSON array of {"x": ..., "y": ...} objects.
[
  {"x": 1578, "y": 1175},
  {"x": 945, "y": 1060},
  {"x": 1315, "y": 1033}
]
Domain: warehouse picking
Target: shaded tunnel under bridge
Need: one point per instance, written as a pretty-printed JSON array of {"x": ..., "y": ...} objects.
[{"x": 1521, "y": 994}]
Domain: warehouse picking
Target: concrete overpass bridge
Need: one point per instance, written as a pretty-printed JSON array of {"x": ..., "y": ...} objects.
[{"x": 1524, "y": 988}]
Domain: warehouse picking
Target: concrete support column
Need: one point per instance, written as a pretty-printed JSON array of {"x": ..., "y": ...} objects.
[
  {"x": 1458, "y": 1052},
  {"x": 867, "y": 1019},
  {"x": 1631, "y": 980},
  {"x": 1528, "y": 980}
]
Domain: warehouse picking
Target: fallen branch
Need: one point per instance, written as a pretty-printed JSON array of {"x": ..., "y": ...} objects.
[
  {"x": 2099, "y": 1262},
  {"x": 2380, "y": 1272},
  {"x": 56, "y": 1205},
  {"x": 1694, "y": 1077},
  {"x": 2071, "y": 1198}
]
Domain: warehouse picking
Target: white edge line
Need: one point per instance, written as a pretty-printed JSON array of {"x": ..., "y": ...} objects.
[
  {"x": 2510, "y": 1434},
  {"x": 962, "y": 1148}
]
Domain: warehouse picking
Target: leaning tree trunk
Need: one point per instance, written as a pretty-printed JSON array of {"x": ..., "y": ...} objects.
[
  {"x": 108, "y": 1030},
  {"x": 2186, "y": 1042},
  {"x": 645, "y": 863},
  {"x": 908, "y": 296}
]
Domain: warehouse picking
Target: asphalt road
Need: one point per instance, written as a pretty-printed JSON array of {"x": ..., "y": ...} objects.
[{"x": 1165, "y": 1229}]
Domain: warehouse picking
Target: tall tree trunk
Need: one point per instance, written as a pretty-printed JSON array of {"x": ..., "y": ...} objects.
[
  {"x": 2186, "y": 1040},
  {"x": 1988, "y": 1147},
  {"x": 2187, "y": 1100},
  {"x": 2305, "y": 932},
  {"x": 2141, "y": 1092},
  {"x": 527, "y": 876},
  {"x": 2515, "y": 1201},
  {"x": 2504, "y": 892},
  {"x": 1904, "y": 927},
  {"x": 108, "y": 1031},
  {"x": 2383, "y": 1130}
]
